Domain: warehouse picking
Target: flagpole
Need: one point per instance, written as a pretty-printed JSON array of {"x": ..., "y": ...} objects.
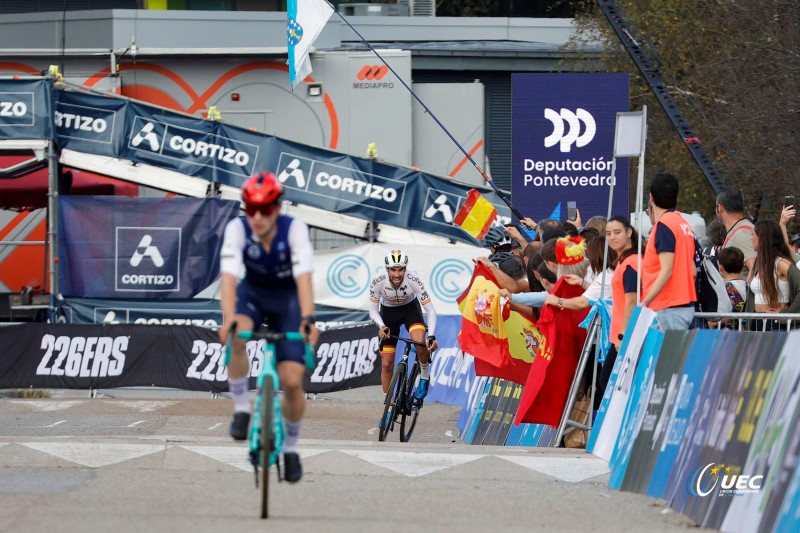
[{"x": 429, "y": 112}]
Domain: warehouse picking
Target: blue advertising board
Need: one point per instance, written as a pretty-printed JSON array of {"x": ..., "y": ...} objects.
[
  {"x": 563, "y": 143},
  {"x": 114, "y": 247},
  {"x": 26, "y": 110}
]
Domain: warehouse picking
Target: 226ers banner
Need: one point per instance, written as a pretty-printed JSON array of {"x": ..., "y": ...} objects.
[
  {"x": 68, "y": 356},
  {"x": 346, "y": 358}
]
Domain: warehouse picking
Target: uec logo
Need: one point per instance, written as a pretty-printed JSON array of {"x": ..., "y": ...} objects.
[
  {"x": 449, "y": 278},
  {"x": 348, "y": 276}
]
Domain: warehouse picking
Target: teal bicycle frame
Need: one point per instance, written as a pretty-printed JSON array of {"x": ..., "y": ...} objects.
[{"x": 267, "y": 440}]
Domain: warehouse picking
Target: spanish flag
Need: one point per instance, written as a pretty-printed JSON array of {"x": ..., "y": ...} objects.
[
  {"x": 482, "y": 328},
  {"x": 476, "y": 215},
  {"x": 503, "y": 342}
]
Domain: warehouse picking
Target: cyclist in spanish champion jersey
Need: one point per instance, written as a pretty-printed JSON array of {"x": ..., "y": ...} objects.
[
  {"x": 395, "y": 297},
  {"x": 273, "y": 256}
]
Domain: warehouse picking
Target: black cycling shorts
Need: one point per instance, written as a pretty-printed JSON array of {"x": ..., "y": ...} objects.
[{"x": 404, "y": 315}]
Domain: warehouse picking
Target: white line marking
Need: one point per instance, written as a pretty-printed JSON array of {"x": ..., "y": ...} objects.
[
  {"x": 54, "y": 424},
  {"x": 571, "y": 469},
  {"x": 136, "y": 423},
  {"x": 372, "y": 431},
  {"x": 94, "y": 455},
  {"x": 413, "y": 464},
  {"x": 47, "y": 405},
  {"x": 215, "y": 426}
]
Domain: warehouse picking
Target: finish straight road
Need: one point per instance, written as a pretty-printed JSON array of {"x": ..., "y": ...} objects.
[{"x": 157, "y": 460}]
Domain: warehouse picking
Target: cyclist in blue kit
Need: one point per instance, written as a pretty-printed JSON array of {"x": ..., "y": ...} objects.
[{"x": 266, "y": 267}]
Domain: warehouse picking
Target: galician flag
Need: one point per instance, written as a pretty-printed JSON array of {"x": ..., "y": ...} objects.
[{"x": 306, "y": 18}]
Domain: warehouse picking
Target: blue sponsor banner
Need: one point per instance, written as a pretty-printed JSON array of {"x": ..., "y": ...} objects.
[
  {"x": 227, "y": 155},
  {"x": 697, "y": 361},
  {"x": 193, "y": 312},
  {"x": 636, "y": 407},
  {"x": 140, "y": 247},
  {"x": 26, "y": 109},
  {"x": 452, "y": 371},
  {"x": 563, "y": 143}
]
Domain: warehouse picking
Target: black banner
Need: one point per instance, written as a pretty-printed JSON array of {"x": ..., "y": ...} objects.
[
  {"x": 347, "y": 358},
  {"x": 88, "y": 356}
]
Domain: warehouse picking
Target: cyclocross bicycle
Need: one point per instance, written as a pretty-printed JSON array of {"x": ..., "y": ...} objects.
[
  {"x": 400, "y": 396},
  {"x": 266, "y": 426}
]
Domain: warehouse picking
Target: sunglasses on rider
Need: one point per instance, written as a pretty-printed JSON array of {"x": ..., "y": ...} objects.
[{"x": 265, "y": 209}]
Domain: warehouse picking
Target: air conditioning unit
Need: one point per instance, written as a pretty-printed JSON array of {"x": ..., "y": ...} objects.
[
  {"x": 365, "y": 10},
  {"x": 420, "y": 8}
]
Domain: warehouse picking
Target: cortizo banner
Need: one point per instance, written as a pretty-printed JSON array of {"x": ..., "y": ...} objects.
[{"x": 223, "y": 154}]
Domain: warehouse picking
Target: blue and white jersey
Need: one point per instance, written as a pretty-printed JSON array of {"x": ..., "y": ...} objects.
[{"x": 290, "y": 254}]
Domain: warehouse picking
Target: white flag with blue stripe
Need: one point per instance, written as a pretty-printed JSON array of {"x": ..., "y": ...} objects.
[{"x": 306, "y": 18}]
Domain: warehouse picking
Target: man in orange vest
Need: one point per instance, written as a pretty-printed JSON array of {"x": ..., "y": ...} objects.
[{"x": 668, "y": 269}]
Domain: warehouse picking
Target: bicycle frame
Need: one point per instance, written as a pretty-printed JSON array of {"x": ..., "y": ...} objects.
[
  {"x": 269, "y": 371},
  {"x": 266, "y": 443},
  {"x": 398, "y": 401}
]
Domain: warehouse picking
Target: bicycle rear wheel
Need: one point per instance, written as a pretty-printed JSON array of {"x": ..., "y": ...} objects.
[
  {"x": 267, "y": 442},
  {"x": 391, "y": 402},
  {"x": 409, "y": 421}
]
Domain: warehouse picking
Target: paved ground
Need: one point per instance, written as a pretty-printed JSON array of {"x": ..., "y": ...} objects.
[{"x": 157, "y": 460}]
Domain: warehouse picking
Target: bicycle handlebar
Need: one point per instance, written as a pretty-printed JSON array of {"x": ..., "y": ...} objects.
[
  {"x": 408, "y": 341},
  {"x": 271, "y": 337}
]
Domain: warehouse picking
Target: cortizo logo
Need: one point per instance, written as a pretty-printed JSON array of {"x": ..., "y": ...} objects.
[
  {"x": 82, "y": 357},
  {"x": 147, "y": 138},
  {"x": 81, "y": 123},
  {"x": 572, "y": 135},
  {"x": 336, "y": 182},
  {"x": 338, "y": 361},
  {"x": 13, "y": 109},
  {"x": 704, "y": 481}
]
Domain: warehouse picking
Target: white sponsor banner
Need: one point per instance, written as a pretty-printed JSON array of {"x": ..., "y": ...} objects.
[
  {"x": 342, "y": 276},
  {"x": 621, "y": 386}
]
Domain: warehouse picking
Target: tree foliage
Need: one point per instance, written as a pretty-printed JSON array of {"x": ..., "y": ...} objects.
[{"x": 735, "y": 72}]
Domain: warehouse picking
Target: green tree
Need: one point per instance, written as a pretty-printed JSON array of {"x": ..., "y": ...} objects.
[{"x": 736, "y": 72}]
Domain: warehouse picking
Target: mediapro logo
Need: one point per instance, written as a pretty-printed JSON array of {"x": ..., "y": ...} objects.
[
  {"x": 348, "y": 276},
  {"x": 372, "y": 72},
  {"x": 148, "y": 259},
  {"x": 704, "y": 481},
  {"x": 571, "y": 122},
  {"x": 197, "y": 147},
  {"x": 449, "y": 278},
  {"x": 16, "y": 109}
]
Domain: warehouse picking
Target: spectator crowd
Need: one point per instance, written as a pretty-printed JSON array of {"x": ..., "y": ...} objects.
[{"x": 758, "y": 263}]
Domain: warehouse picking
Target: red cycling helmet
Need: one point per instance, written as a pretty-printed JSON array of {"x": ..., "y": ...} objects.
[{"x": 262, "y": 189}]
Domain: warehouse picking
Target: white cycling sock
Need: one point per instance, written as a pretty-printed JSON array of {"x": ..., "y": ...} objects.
[
  {"x": 424, "y": 371},
  {"x": 240, "y": 390},
  {"x": 292, "y": 435}
]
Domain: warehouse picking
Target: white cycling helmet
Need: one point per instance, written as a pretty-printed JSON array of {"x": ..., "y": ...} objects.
[{"x": 396, "y": 259}]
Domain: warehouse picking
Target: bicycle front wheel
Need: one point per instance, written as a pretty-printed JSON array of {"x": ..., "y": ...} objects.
[
  {"x": 267, "y": 442},
  {"x": 409, "y": 421},
  {"x": 391, "y": 402}
]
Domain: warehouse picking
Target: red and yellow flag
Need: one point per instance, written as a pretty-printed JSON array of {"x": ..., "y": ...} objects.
[
  {"x": 476, "y": 215},
  {"x": 503, "y": 342},
  {"x": 482, "y": 328},
  {"x": 547, "y": 387}
]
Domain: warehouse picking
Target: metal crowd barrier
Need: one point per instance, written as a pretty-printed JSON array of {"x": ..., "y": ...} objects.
[{"x": 749, "y": 321}]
